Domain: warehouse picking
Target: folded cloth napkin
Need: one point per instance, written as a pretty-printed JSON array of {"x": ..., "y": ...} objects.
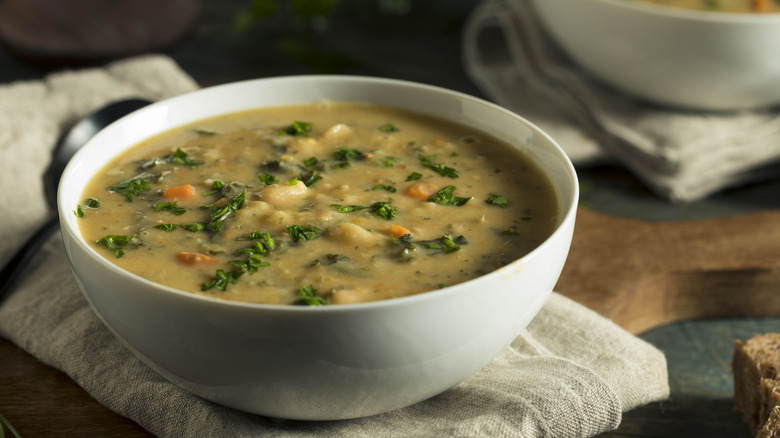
[
  {"x": 682, "y": 155},
  {"x": 570, "y": 374}
]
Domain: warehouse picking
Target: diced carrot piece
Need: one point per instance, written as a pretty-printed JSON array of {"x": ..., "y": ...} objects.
[
  {"x": 195, "y": 259},
  {"x": 398, "y": 231},
  {"x": 186, "y": 191},
  {"x": 421, "y": 190},
  {"x": 762, "y": 5}
]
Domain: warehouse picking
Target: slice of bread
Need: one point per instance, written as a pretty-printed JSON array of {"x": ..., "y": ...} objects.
[
  {"x": 756, "y": 367},
  {"x": 771, "y": 428}
]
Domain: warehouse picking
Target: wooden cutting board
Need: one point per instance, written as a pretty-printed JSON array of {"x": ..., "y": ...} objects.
[{"x": 645, "y": 274}]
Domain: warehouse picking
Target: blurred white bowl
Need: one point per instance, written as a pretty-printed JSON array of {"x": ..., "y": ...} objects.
[
  {"x": 684, "y": 58},
  {"x": 332, "y": 362}
]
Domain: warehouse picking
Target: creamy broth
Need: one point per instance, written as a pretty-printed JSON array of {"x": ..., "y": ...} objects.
[
  {"x": 317, "y": 204},
  {"x": 722, "y": 5}
]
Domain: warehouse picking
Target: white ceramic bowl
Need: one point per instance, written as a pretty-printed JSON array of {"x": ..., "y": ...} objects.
[
  {"x": 679, "y": 57},
  {"x": 332, "y": 362}
]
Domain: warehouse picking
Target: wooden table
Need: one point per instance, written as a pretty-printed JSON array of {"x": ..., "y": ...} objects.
[{"x": 425, "y": 46}]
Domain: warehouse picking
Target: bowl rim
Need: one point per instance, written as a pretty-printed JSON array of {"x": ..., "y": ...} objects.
[
  {"x": 565, "y": 220},
  {"x": 696, "y": 15}
]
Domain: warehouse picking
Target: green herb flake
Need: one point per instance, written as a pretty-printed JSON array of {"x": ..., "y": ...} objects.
[
  {"x": 307, "y": 296},
  {"x": 220, "y": 213},
  {"x": 310, "y": 162},
  {"x": 131, "y": 187},
  {"x": 267, "y": 179},
  {"x": 310, "y": 177},
  {"x": 92, "y": 203},
  {"x": 346, "y": 154},
  {"x": 389, "y": 161},
  {"x": 390, "y": 189},
  {"x": 441, "y": 169},
  {"x": 384, "y": 210},
  {"x": 79, "y": 212},
  {"x": 216, "y": 187},
  {"x": 180, "y": 157},
  {"x": 171, "y": 206},
  {"x": 298, "y": 128},
  {"x": 300, "y": 233},
  {"x": 388, "y": 128},
  {"x": 497, "y": 200},
  {"x": 194, "y": 227},
  {"x": 167, "y": 227},
  {"x": 348, "y": 208},
  {"x": 222, "y": 279},
  {"x": 445, "y": 196},
  {"x": 115, "y": 243},
  {"x": 445, "y": 244},
  {"x": 414, "y": 176}
]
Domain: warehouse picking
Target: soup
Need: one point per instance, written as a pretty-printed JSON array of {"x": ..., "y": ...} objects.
[
  {"x": 723, "y": 5},
  {"x": 327, "y": 203}
]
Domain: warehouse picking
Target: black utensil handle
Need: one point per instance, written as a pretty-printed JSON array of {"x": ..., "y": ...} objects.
[{"x": 10, "y": 273}]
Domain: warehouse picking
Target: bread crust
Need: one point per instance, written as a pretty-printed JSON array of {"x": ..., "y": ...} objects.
[{"x": 756, "y": 368}]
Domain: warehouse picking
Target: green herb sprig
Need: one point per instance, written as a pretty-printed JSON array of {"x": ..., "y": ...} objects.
[
  {"x": 307, "y": 296},
  {"x": 446, "y": 196}
]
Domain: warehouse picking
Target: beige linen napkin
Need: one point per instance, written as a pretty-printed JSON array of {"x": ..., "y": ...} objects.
[
  {"x": 570, "y": 374},
  {"x": 682, "y": 155}
]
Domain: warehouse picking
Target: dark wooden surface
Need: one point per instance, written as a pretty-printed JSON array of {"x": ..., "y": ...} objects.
[{"x": 422, "y": 46}]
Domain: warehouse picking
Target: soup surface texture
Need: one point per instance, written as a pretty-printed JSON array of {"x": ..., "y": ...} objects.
[
  {"x": 723, "y": 5},
  {"x": 327, "y": 203}
]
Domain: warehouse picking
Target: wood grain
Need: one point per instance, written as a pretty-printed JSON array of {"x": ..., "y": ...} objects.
[
  {"x": 645, "y": 274},
  {"x": 40, "y": 401}
]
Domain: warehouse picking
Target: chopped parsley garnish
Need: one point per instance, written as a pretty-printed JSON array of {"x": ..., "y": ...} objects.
[
  {"x": 446, "y": 197},
  {"x": 310, "y": 162},
  {"x": 390, "y": 189},
  {"x": 441, "y": 169},
  {"x": 89, "y": 203},
  {"x": 261, "y": 247},
  {"x": 180, "y": 157},
  {"x": 251, "y": 265},
  {"x": 193, "y": 227},
  {"x": 171, "y": 206},
  {"x": 497, "y": 200},
  {"x": 131, "y": 187},
  {"x": 388, "y": 128},
  {"x": 307, "y": 296},
  {"x": 445, "y": 244},
  {"x": 348, "y": 208},
  {"x": 414, "y": 176},
  {"x": 330, "y": 259},
  {"x": 267, "y": 179},
  {"x": 216, "y": 187},
  {"x": 300, "y": 233},
  {"x": 310, "y": 177},
  {"x": 92, "y": 203},
  {"x": 115, "y": 243},
  {"x": 220, "y": 213},
  {"x": 298, "y": 128},
  {"x": 345, "y": 155},
  {"x": 222, "y": 279},
  {"x": 389, "y": 161},
  {"x": 384, "y": 210}
]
